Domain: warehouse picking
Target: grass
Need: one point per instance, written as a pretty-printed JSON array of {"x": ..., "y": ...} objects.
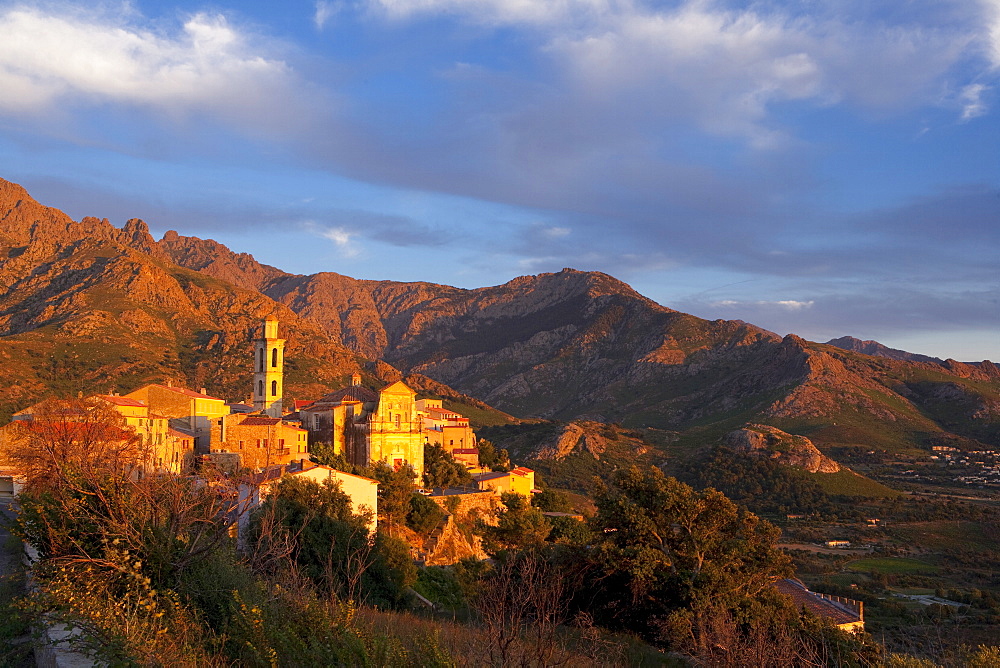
[
  {"x": 947, "y": 534},
  {"x": 892, "y": 566},
  {"x": 849, "y": 483}
]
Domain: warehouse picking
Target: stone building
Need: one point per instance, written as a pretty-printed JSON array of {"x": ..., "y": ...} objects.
[{"x": 259, "y": 440}]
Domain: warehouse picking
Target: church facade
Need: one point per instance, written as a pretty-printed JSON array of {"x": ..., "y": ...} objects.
[{"x": 367, "y": 426}]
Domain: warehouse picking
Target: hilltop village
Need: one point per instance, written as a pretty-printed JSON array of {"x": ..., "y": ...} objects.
[{"x": 262, "y": 439}]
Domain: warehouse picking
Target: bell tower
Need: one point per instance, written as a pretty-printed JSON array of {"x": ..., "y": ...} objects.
[{"x": 269, "y": 363}]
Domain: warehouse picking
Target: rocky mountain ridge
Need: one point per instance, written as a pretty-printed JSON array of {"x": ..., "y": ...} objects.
[
  {"x": 876, "y": 349},
  {"x": 571, "y": 345}
]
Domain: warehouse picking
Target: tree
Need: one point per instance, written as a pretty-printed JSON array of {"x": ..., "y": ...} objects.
[
  {"x": 87, "y": 501},
  {"x": 441, "y": 469},
  {"x": 424, "y": 515},
  {"x": 492, "y": 457},
  {"x": 330, "y": 544},
  {"x": 394, "y": 491},
  {"x": 675, "y": 548},
  {"x": 519, "y": 526}
]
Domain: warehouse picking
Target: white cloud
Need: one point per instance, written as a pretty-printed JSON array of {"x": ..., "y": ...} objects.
[
  {"x": 991, "y": 11},
  {"x": 784, "y": 304},
  {"x": 507, "y": 12},
  {"x": 80, "y": 56},
  {"x": 791, "y": 304},
  {"x": 342, "y": 239},
  {"x": 326, "y": 10},
  {"x": 556, "y": 232},
  {"x": 972, "y": 101},
  {"x": 723, "y": 66}
]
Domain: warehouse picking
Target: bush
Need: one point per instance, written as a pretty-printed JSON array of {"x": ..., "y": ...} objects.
[{"x": 424, "y": 516}]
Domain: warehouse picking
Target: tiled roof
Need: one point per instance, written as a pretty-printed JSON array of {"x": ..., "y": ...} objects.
[
  {"x": 178, "y": 434},
  {"x": 260, "y": 421},
  {"x": 520, "y": 470},
  {"x": 189, "y": 393},
  {"x": 332, "y": 472},
  {"x": 839, "y": 613},
  {"x": 349, "y": 393},
  {"x": 122, "y": 401},
  {"x": 482, "y": 477}
]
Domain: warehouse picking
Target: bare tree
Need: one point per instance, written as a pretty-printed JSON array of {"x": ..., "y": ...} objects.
[{"x": 521, "y": 605}]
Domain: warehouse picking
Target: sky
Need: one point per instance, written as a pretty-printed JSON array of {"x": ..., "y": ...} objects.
[{"x": 817, "y": 167}]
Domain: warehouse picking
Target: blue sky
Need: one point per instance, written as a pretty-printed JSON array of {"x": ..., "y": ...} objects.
[{"x": 823, "y": 168}]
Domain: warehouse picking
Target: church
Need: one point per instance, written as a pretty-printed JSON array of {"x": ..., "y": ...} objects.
[{"x": 367, "y": 426}]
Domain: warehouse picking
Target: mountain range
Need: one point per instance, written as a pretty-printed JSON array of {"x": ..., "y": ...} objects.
[{"x": 87, "y": 306}]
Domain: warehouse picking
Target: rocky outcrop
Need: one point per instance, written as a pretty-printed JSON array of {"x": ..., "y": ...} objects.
[
  {"x": 758, "y": 440},
  {"x": 594, "y": 438}
]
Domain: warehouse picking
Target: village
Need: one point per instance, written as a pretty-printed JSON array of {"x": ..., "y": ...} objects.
[{"x": 186, "y": 432}]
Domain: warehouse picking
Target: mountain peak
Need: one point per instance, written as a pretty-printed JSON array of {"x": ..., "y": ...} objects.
[{"x": 876, "y": 349}]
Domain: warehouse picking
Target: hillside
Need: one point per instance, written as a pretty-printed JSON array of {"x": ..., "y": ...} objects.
[
  {"x": 85, "y": 306},
  {"x": 98, "y": 304}
]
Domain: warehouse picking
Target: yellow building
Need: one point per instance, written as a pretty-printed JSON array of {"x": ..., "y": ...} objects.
[
  {"x": 521, "y": 480},
  {"x": 170, "y": 450},
  {"x": 445, "y": 428},
  {"x": 363, "y": 492},
  {"x": 188, "y": 411},
  {"x": 368, "y": 427}
]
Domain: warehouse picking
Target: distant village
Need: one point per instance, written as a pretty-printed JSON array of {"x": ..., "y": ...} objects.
[{"x": 185, "y": 430}]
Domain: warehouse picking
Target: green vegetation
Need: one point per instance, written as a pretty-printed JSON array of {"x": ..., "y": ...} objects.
[
  {"x": 849, "y": 484},
  {"x": 441, "y": 469},
  {"x": 892, "y": 565}
]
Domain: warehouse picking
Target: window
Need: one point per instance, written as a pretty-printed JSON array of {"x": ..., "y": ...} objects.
[
  {"x": 274, "y": 388},
  {"x": 260, "y": 388},
  {"x": 281, "y": 442},
  {"x": 241, "y": 445},
  {"x": 260, "y": 354},
  {"x": 274, "y": 357}
]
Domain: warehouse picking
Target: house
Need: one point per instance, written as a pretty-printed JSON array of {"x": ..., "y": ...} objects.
[
  {"x": 362, "y": 491},
  {"x": 188, "y": 411},
  {"x": 838, "y": 543},
  {"x": 520, "y": 480},
  {"x": 169, "y": 450},
  {"x": 260, "y": 440},
  {"x": 445, "y": 428},
  {"x": 847, "y": 614}
]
